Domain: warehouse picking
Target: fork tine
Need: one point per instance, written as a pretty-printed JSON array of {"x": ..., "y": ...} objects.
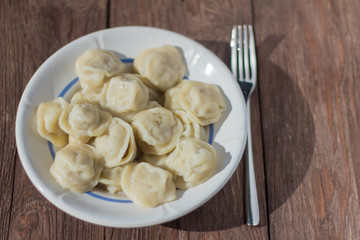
[
  {"x": 246, "y": 53},
  {"x": 240, "y": 53},
  {"x": 252, "y": 54},
  {"x": 233, "y": 46}
]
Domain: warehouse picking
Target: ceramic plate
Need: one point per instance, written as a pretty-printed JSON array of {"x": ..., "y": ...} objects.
[{"x": 57, "y": 77}]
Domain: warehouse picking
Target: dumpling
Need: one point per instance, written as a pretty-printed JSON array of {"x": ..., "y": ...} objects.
[
  {"x": 192, "y": 129},
  {"x": 124, "y": 97},
  {"x": 157, "y": 130},
  {"x": 117, "y": 144},
  {"x": 172, "y": 99},
  {"x": 77, "y": 167},
  {"x": 48, "y": 114},
  {"x": 202, "y": 100},
  {"x": 192, "y": 162},
  {"x": 95, "y": 66},
  {"x": 84, "y": 120},
  {"x": 111, "y": 179},
  {"x": 154, "y": 93},
  {"x": 147, "y": 185},
  {"x": 86, "y": 97},
  {"x": 164, "y": 66}
]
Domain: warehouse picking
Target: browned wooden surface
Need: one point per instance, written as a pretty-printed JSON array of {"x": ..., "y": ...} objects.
[
  {"x": 309, "y": 88},
  {"x": 305, "y": 114}
]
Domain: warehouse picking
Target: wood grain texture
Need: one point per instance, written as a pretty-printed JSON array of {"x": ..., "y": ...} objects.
[
  {"x": 38, "y": 29},
  {"x": 305, "y": 117},
  {"x": 309, "y": 70},
  {"x": 200, "y": 19},
  {"x": 8, "y": 105}
]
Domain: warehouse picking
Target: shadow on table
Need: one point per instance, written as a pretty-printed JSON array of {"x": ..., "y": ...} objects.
[
  {"x": 287, "y": 126},
  {"x": 288, "y": 136}
]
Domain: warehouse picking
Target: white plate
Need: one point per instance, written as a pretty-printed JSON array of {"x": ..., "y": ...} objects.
[{"x": 55, "y": 77}]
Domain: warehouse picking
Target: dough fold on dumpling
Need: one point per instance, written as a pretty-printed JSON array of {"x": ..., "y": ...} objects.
[
  {"x": 156, "y": 130},
  {"x": 117, "y": 144},
  {"x": 111, "y": 179},
  {"x": 84, "y": 120},
  {"x": 192, "y": 128},
  {"x": 154, "y": 93},
  {"x": 86, "y": 97},
  {"x": 77, "y": 167},
  {"x": 95, "y": 66},
  {"x": 147, "y": 185},
  {"x": 164, "y": 66},
  {"x": 124, "y": 96},
  {"x": 201, "y": 100},
  {"x": 191, "y": 163},
  {"x": 48, "y": 114}
]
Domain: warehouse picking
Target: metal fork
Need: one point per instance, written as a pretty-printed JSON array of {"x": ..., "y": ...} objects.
[{"x": 243, "y": 66}]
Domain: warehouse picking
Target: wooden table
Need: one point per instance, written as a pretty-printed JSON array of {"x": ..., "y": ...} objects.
[{"x": 305, "y": 117}]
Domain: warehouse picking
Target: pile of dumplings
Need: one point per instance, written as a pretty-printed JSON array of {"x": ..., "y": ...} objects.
[{"x": 140, "y": 131}]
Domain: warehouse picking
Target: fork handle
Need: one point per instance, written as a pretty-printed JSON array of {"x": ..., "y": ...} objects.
[{"x": 251, "y": 198}]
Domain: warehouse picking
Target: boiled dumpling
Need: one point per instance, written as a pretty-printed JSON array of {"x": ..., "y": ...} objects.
[
  {"x": 192, "y": 129},
  {"x": 172, "y": 99},
  {"x": 147, "y": 185},
  {"x": 48, "y": 114},
  {"x": 124, "y": 96},
  {"x": 117, "y": 144},
  {"x": 129, "y": 115},
  {"x": 202, "y": 100},
  {"x": 84, "y": 120},
  {"x": 95, "y": 66},
  {"x": 164, "y": 66},
  {"x": 77, "y": 167},
  {"x": 157, "y": 130},
  {"x": 192, "y": 162},
  {"x": 86, "y": 97},
  {"x": 154, "y": 93},
  {"x": 111, "y": 179}
]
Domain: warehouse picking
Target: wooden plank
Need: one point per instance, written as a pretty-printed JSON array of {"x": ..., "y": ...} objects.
[
  {"x": 309, "y": 71},
  {"x": 9, "y": 52},
  {"x": 222, "y": 217},
  {"x": 38, "y": 29}
]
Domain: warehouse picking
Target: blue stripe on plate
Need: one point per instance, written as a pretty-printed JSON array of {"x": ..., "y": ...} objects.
[
  {"x": 107, "y": 199},
  {"x": 72, "y": 83},
  {"x": 211, "y": 134},
  {"x": 127, "y": 60},
  {"x": 51, "y": 149}
]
